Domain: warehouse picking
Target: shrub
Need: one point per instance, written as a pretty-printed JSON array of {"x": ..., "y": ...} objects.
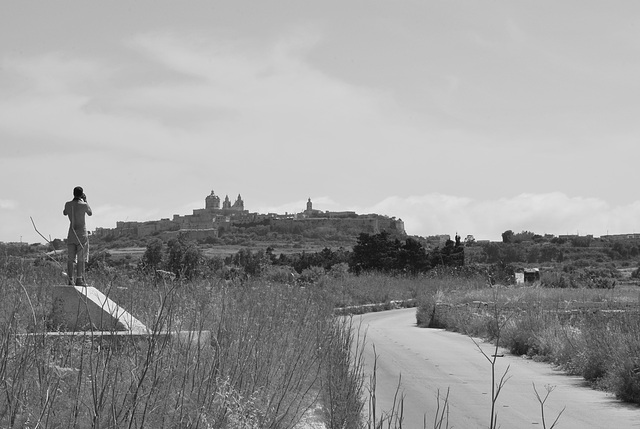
[
  {"x": 279, "y": 274},
  {"x": 519, "y": 334},
  {"x": 555, "y": 280},
  {"x": 624, "y": 379},
  {"x": 311, "y": 275},
  {"x": 426, "y": 313},
  {"x": 559, "y": 343}
]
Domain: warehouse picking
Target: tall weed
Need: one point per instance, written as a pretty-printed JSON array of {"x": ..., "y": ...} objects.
[
  {"x": 272, "y": 351},
  {"x": 589, "y": 332}
]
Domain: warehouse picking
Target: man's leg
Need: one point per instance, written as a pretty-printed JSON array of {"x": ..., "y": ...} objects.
[
  {"x": 71, "y": 257},
  {"x": 83, "y": 254}
]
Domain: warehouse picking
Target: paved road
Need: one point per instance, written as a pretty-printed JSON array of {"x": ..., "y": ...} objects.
[{"x": 432, "y": 359}]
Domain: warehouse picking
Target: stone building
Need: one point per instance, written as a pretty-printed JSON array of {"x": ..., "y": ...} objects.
[
  {"x": 210, "y": 220},
  {"x": 202, "y": 223},
  {"x": 343, "y": 220}
]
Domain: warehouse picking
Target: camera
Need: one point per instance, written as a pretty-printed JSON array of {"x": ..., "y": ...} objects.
[{"x": 84, "y": 197}]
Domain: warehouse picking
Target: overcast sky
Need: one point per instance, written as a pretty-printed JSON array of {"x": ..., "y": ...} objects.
[{"x": 456, "y": 116}]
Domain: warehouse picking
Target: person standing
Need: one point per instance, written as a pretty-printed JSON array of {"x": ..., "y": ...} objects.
[{"x": 77, "y": 239}]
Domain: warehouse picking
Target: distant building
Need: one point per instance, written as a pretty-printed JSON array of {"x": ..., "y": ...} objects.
[
  {"x": 209, "y": 221},
  {"x": 527, "y": 275},
  {"x": 619, "y": 237},
  {"x": 434, "y": 241}
]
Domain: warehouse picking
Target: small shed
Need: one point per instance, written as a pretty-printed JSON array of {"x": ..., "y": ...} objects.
[{"x": 531, "y": 275}]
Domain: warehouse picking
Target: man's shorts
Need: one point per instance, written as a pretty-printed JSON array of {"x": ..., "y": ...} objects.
[{"x": 76, "y": 250}]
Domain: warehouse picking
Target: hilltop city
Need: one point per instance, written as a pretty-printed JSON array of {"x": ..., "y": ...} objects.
[{"x": 214, "y": 219}]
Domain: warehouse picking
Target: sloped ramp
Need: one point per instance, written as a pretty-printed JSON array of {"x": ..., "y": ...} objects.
[{"x": 77, "y": 308}]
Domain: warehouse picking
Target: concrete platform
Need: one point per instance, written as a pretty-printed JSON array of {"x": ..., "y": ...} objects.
[
  {"x": 78, "y": 308},
  {"x": 86, "y": 312},
  {"x": 191, "y": 338}
]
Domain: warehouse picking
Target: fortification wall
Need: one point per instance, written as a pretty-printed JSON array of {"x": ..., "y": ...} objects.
[
  {"x": 369, "y": 225},
  {"x": 194, "y": 234},
  {"x": 212, "y": 217}
]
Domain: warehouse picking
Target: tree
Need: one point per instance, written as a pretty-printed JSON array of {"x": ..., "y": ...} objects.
[
  {"x": 584, "y": 241},
  {"x": 152, "y": 258},
  {"x": 533, "y": 255},
  {"x": 452, "y": 254},
  {"x": 507, "y": 236},
  {"x": 375, "y": 252},
  {"x": 550, "y": 253},
  {"x": 183, "y": 258},
  {"x": 522, "y": 236},
  {"x": 413, "y": 257},
  {"x": 513, "y": 253},
  {"x": 493, "y": 252},
  {"x": 251, "y": 262},
  {"x": 57, "y": 244}
]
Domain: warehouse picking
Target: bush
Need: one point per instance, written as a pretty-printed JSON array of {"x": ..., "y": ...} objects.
[
  {"x": 520, "y": 334},
  {"x": 311, "y": 275},
  {"x": 426, "y": 313},
  {"x": 279, "y": 274},
  {"x": 559, "y": 343},
  {"x": 555, "y": 280},
  {"x": 625, "y": 379}
]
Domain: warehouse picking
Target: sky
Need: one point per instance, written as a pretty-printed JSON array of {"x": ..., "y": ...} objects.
[{"x": 455, "y": 116}]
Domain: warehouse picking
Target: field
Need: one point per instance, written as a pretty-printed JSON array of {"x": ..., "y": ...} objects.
[
  {"x": 277, "y": 350},
  {"x": 133, "y": 254}
]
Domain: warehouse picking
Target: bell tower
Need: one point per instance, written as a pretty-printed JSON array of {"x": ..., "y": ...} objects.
[
  {"x": 239, "y": 204},
  {"x": 226, "y": 204},
  {"x": 212, "y": 201}
]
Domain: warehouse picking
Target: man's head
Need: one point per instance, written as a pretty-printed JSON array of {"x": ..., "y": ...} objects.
[{"x": 78, "y": 192}]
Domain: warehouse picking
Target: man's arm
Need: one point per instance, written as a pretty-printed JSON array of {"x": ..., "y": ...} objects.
[{"x": 89, "y": 212}]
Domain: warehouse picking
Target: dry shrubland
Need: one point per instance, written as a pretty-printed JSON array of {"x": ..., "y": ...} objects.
[{"x": 275, "y": 350}]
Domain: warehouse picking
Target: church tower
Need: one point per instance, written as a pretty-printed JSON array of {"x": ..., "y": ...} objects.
[
  {"x": 226, "y": 204},
  {"x": 309, "y": 206},
  {"x": 239, "y": 204},
  {"x": 212, "y": 201}
]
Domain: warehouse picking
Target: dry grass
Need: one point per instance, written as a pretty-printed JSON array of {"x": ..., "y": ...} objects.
[
  {"x": 594, "y": 333},
  {"x": 275, "y": 350}
]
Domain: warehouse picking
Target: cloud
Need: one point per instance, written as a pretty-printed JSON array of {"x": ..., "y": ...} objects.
[
  {"x": 8, "y": 204},
  {"x": 63, "y": 109},
  {"x": 270, "y": 87},
  {"x": 155, "y": 118},
  {"x": 107, "y": 215},
  {"x": 554, "y": 213},
  {"x": 207, "y": 110},
  {"x": 201, "y": 93}
]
